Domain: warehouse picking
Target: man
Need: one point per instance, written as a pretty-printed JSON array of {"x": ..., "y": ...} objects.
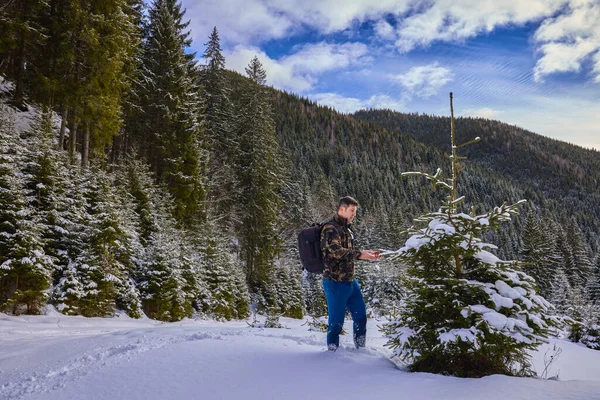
[{"x": 342, "y": 290}]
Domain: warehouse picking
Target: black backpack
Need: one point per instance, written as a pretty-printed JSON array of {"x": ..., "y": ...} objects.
[{"x": 309, "y": 247}]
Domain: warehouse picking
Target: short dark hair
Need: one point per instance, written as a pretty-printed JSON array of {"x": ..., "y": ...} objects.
[{"x": 347, "y": 201}]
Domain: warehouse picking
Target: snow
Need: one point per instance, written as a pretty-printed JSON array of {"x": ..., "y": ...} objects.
[
  {"x": 486, "y": 257},
  {"x": 59, "y": 357}
]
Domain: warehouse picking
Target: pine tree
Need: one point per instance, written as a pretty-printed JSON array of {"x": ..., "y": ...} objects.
[
  {"x": 289, "y": 291},
  {"x": 170, "y": 136},
  {"x": 219, "y": 123},
  {"x": 100, "y": 276},
  {"x": 382, "y": 288},
  {"x": 227, "y": 296},
  {"x": 316, "y": 304},
  {"x": 20, "y": 33},
  {"x": 260, "y": 173},
  {"x": 593, "y": 286},
  {"x": 25, "y": 270},
  {"x": 535, "y": 255},
  {"x": 580, "y": 271},
  {"x": 466, "y": 312},
  {"x": 581, "y": 312}
]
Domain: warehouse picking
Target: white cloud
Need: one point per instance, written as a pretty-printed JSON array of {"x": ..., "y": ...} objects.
[
  {"x": 483, "y": 112},
  {"x": 238, "y": 21},
  {"x": 567, "y": 40},
  {"x": 568, "y": 26},
  {"x": 279, "y": 75},
  {"x": 563, "y": 57},
  {"x": 322, "y": 57},
  {"x": 252, "y": 21},
  {"x": 424, "y": 81},
  {"x": 351, "y": 104},
  {"x": 455, "y": 20},
  {"x": 298, "y": 72},
  {"x": 384, "y": 30},
  {"x": 597, "y": 67}
]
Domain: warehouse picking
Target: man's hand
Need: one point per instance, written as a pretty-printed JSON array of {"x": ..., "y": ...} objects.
[{"x": 369, "y": 255}]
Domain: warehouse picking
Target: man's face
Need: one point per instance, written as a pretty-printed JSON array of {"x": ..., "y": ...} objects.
[{"x": 349, "y": 212}]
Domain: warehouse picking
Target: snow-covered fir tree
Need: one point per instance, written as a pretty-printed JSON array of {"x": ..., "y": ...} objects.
[
  {"x": 163, "y": 277},
  {"x": 170, "y": 135},
  {"x": 593, "y": 285},
  {"x": 25, "y": 270},
  {"x": 220, "y": 126},
  {"x": 540, "y": 259},
  {"x": 466, "y": 312},
  {"x": 316, "y": 304},
  {"x": 227, "y": 297},
  {"x": 579, "y": 271},
  {"x": 382, "y": 287},
  {"x": 289, "y": 290},
  {"x": 260, "y": 175},
  {"x": 102, "y": 272},
  {"x": 578, "y": 309}
]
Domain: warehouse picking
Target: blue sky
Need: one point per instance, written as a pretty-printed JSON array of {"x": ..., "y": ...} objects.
[{"x": 534, "y": 63}]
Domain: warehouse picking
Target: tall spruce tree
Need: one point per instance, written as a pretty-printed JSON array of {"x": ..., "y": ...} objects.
[
  {"x": 19, "y": 24},
  {"x": 260, "y": 174},
  {"x": 219, "y": 123},
  {"x": 466, "y": 313},
  {"x": 170, "y": 135}
]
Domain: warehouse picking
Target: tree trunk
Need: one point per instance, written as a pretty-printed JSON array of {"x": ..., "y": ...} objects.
[
  {"x": 73, "y": 135},
  {"x": 19, "y": 71},
  {"x": 85, "y": 151},
  {"x": 63, "y": 126}
]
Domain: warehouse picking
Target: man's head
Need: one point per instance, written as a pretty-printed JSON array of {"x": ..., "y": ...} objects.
[{"x": 347, "y": 208}]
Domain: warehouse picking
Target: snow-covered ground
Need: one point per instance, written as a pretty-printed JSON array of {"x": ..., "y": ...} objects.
[{"x": 59, "y": 357}]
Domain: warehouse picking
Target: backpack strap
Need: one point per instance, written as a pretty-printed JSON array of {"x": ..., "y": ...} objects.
[{"x": 335, "y": 224}]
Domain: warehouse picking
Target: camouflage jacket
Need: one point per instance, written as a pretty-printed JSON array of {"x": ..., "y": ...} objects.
[{"x": 337, "y": 245}]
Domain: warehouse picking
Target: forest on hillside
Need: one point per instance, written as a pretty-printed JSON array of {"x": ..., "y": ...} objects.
[{"x": 154, "y": 180}]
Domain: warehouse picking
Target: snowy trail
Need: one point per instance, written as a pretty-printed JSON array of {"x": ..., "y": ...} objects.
[{"x": 108, "y": 359}]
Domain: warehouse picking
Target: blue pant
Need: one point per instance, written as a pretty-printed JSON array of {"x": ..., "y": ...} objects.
[{"x": 341, "y": 296}]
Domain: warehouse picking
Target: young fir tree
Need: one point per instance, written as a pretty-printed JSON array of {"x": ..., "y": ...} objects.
[
  {"x": 170, "y": 136},
  {"x": 579, "y": 272},
  {"x": 312, "y": 289},
  {"x": 99, "y": 279},
  {"x": 69, "y": 241},
  {"x": 593, "y": 286},
  {"x": 582, "y": 315},
  {"x": 559, "y": 283},
  {"x": 591, "y": 333},
  {"x": 535, "y": 254},
  {"x": 46, "y": 178},
  {"x": 381, "y": 285},
  {"x": 566, "y": 252},
  {"x": 260, "y": 174},
  {"x": 219, "y": 124},
  {"x": 466, "y": 312},
  {"x": 289, "y": 291},
  {"x": 167, "y": 270},
  {"x": 25, "y": 270},
  {"x": 166, "y": 278},
  {"x": 227, "y": 296}
]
